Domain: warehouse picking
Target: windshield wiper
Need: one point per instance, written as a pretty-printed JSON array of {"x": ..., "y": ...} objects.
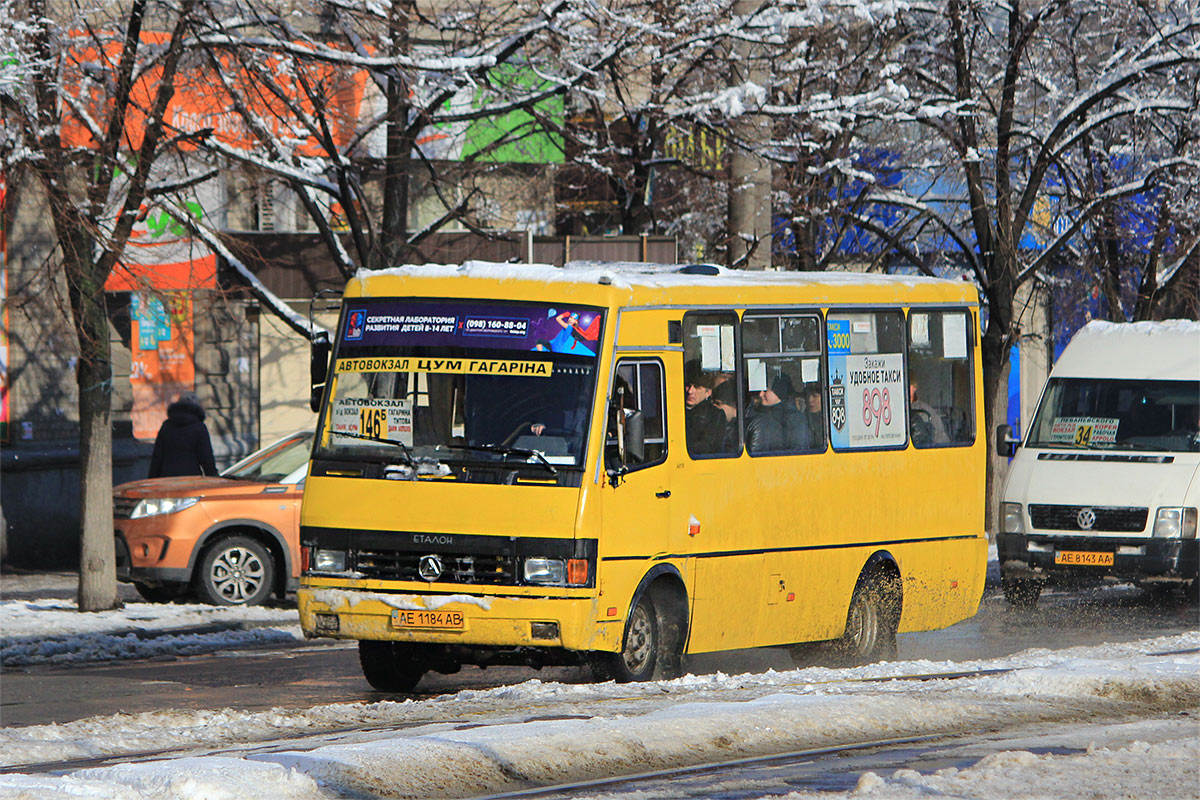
[
  {"x": 502, "y": 450},
  {"x": 409, "y": 458}
]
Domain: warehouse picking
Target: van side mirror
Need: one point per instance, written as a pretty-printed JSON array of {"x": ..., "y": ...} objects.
[
  {"x": 318, "y": 368},
  {"x": 1006, "y": 445}
]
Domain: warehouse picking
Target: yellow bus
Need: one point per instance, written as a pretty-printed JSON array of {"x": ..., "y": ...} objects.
[{"x": 624, "y": 464}]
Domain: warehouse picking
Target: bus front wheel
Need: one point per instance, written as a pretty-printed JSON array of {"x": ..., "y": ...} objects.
[
  {"x": 639, "y": 651},
  {"x": 389, "y": 666}
]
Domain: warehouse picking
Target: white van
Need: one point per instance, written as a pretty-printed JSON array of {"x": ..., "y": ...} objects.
[{"x": 1106, "y": 484}]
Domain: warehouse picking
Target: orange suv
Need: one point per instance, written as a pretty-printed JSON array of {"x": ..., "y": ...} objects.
[{"x": 232, "y": 539}]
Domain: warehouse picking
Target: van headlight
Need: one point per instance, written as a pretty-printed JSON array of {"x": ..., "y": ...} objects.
[
  {"x": 162, "y": 505},
  {"x": 1011, "y": 520},
  {"x": 1175, "y": 523}
]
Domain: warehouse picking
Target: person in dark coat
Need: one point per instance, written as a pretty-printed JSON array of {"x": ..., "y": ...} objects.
[
  {"x": 183, "y": 446},
  {"x": 773, "y": 424},
  {"x": 704, "y": 425}
]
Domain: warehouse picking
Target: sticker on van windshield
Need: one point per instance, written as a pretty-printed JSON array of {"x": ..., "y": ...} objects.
[
  {"x": 1082, "y": 431},
  {"x": 373, "y": 418}
]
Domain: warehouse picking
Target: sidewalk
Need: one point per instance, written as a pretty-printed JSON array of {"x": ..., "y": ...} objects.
[
  {"x": 41, "y": 626},
  {"x": 25, "y": 584}
]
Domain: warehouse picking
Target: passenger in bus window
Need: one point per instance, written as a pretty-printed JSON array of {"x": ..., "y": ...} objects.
[
  {"x": 765, "y": 432},
  {"x": 812, "y": 405},
  {"x": 926, "y": 424},
  {"x": 724, "y": 398},
  {"x": 704, "y": 425},
  {"x": 795, "y": 425}
]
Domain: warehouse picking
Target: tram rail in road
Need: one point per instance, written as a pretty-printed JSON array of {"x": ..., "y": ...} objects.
[
  {"x": 310, "y": 740},
  {"x": 321, "y": 737}
]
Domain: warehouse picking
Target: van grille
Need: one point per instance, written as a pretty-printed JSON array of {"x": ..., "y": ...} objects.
[
  {"x": 1110, "y": 519},
  {"x": 456, "y": 567}
]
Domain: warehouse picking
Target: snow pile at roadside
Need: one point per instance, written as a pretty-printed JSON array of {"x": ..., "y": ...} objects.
[
  {"x": 54, "y": 631},
  {"x": 439, "y": 748}
]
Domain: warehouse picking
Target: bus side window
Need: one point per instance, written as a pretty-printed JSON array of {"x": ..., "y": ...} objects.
[
  {"x": 710, "y": 418},
  {"x": 941, "y": 400},
  {"x": 637, "y": 396},
  {"x": 781, "y": 358}
]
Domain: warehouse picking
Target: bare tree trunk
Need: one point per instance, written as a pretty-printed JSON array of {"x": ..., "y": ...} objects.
[
  {"x": 393, "y": 231},
  {"x": 995, "y": 346},
  {"x": 97, "y": 557},
  {"x": 749, "y": 195}
]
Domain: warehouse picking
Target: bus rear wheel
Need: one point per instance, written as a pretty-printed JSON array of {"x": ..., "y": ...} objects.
[
  {"x": 871, "y": 623},
  {"x": 390, "y": 666},
  {"x": 640, "y": 650}
]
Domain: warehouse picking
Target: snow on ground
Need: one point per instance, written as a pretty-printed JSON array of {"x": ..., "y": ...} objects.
[
  {"x": 52, "y": 631},
  {"x": 535, "y": 733}
]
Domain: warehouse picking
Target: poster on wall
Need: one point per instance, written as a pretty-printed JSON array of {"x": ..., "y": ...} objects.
[
  {"x": 163, "y": 356},
  {"x": 4, "y": 412},
  {"x": 866, "y": 393}
]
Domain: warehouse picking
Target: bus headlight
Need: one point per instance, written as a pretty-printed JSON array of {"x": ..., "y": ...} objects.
[
  {"x": 329, "y": 561},
  {"x": 545, "y": 570},
  {"x": 1011, "y": 520},
  {"x": 162, "y": 505},
  {"x": 1175, "y": 523}
]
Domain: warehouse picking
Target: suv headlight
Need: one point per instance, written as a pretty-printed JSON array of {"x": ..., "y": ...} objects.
[
  {"x": 162, "y": 505},
  {"x": 1175, "y": 523},
  {"x": 1011, "y": 520}
]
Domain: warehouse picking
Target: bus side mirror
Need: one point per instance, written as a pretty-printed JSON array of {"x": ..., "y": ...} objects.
[
  {"x": 1006, "y": 445},
  {"x": 635, "y": 437},
  {"x": 318, "y": 368}
]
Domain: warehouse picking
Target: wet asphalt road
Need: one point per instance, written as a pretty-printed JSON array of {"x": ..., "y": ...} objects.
[{"x": 312, "y": 673}]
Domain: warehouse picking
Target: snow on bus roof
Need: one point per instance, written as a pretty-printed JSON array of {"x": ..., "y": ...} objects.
[{"x": 623, "y": 274}]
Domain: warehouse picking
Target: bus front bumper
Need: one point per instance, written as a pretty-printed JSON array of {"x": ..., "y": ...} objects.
[
  {"x": 1141, "y": 559},
  {"x": 568, "y": 622}
]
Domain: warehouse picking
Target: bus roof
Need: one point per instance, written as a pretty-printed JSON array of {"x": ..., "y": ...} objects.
[
  {"x": 1168, "y": 350},
  {"x": 636, "y": 283}
]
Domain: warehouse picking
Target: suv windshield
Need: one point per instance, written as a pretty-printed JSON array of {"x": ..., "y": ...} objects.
[
  {"x": 456, "y": 381},
  {"x": 274, "y": 463},
  {"x": 1106, "y": 414}
]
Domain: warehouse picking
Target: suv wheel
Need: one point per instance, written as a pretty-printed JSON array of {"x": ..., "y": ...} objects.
[{"x": 235, "y": 571}]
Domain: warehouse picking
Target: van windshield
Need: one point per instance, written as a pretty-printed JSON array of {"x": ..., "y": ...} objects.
[
  {"x": 1107, "y": 414},
  {"x": 459, "y": 381}
]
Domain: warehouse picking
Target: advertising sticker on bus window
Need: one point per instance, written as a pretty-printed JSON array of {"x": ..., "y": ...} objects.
[
  {"x": 866, "y": 393},
  {"x": 373, "y": 417},
  {"x": 456, "y": 323},
  {"x": 1083, "y": 431}
]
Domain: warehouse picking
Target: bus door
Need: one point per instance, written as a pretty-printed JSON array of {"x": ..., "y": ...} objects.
[{"x": 638, "y": 507}]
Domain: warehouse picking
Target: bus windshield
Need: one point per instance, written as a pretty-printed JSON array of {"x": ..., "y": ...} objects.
[
  {"x": 462, "y": 382},
  {"x": 1110, "y": 414}
]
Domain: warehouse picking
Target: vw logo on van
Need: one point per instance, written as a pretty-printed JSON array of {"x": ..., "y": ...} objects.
[
  {"x": 430, "y": 568},
  {"x": 1086, "y": 518}
]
